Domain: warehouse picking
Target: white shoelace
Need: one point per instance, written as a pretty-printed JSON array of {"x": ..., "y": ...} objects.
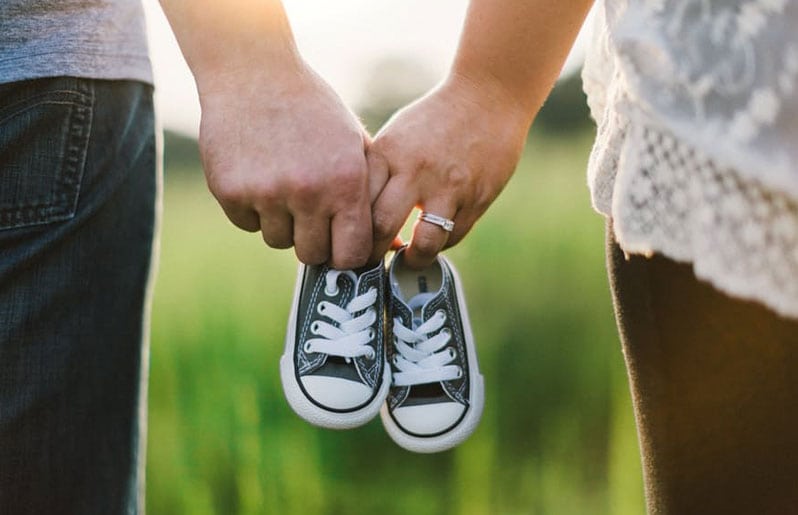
[
  {"x": 420, "y": 358},
  {"x": 349, "y": 336}
]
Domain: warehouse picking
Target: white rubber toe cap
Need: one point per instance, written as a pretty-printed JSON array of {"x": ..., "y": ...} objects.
[
  {"x": 428, "y": 419},
  {"x": 336, "y": 393}
]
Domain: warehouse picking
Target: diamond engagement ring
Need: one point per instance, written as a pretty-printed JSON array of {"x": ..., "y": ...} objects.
[{"x": 444, "y": 223}]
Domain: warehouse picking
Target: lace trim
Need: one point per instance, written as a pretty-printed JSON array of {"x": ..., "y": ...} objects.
[
  {"x": 669, "y": 198},
  {"x": 695, "y": 102}
]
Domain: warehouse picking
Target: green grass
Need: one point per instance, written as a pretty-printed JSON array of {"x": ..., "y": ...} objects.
[{"x": 557, "y": 436}]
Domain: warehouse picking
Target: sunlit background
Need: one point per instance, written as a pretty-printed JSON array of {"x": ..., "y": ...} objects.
[
  {"x": 342, "y": 39},
  {"x": 557, "y": 436}
]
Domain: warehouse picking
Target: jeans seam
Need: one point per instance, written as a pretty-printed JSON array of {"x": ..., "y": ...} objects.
[
  {"x": 33, "y": 101},
  {"x": 61, "y": 202},
  {"x": 77, "y": 148}
]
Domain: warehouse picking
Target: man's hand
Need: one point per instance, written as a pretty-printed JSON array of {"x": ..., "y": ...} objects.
[
  {"x": 281, "y": 152},
  {"x": 450, "y": 154},
  {"x": 284, "y": 156}
]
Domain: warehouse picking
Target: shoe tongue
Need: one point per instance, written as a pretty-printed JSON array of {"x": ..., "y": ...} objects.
[{"x": 416, "y": 305}]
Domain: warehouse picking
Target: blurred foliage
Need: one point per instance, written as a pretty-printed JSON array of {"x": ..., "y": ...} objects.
[
  {"x": 557, "y": 436},
  {"x": 396, "y": 81},
  {"x": 180, "y": 154},
  {"x": 392, "y": 83},
  {"x": 565, "y": 110}
]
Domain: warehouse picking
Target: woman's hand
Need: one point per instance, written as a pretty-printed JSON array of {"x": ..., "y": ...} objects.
[{"x": 450, "y": 154}]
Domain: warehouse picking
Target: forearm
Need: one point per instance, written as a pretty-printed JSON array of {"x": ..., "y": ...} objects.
[
  {"x": 223, "y": 40},
  {"x": 513, "y": 50},
  {"x": 281, "y": 153}
]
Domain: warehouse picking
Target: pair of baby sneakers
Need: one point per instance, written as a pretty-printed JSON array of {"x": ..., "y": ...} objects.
[{"x": 354, "y": 349}]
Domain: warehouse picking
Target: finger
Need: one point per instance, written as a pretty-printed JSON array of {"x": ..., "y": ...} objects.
[
  {"x": 277, "y": 228},
  {"x": 312, "y": 238},
  {"x": 352, "y": 238},
  {"x": 243, "y": 218},
  {"x": 428, "y": 238},
  {"x": 389, "y": 213},
  {"x": 378, "y": 173}
]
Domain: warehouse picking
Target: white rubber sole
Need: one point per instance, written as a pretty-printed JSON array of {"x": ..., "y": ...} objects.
[
  {"x": 297, "y": 399},
  {"x": 468, "y": 424}
]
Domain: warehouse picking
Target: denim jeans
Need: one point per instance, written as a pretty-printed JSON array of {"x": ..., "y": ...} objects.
[{"x": 78, "y": 199}]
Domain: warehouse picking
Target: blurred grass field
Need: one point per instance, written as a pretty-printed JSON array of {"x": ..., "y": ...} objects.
[{"x": 557, "y": 436}]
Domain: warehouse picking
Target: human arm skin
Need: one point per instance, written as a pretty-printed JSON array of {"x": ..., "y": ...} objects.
[
  {"x": 451, "y": 152},
  {"x": 281, "y": 152}
]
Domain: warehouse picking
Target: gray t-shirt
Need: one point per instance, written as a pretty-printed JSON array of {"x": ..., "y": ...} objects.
[{"x": 100, "y": 39}]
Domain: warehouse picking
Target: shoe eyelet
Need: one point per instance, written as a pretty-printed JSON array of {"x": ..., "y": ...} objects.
[
  {"x": 308, "y": 348},
  {"x": 314, "y": 328},
  {"x": 332, "y": 293},
  {"x": 446, "y": 332},
  {"x": 371, "y": 355},
  {"x": 459, "y": 372},
  {"x": 395, "y": 359},
  {"x": 372, "y": 333},
  {"x": 453, "y": 354},
  {"x": 321, "y": 307},
  {"x": 441, "y": 314}
]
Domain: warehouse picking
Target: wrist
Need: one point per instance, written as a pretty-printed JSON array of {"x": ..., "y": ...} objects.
[
  {"x": 227, "y": 41},
  {"x": 492, "y": 98},
  {"x": 273, "y": 68}
]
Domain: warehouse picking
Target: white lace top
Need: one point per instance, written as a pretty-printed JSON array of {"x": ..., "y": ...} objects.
[{"x": 696, "y": 155}]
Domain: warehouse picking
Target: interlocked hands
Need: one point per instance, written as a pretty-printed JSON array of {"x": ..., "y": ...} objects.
[{"x": 285, "y": 157}]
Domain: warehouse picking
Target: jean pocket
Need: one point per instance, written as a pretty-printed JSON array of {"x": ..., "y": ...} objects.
[{"x": 44, "y": 134}]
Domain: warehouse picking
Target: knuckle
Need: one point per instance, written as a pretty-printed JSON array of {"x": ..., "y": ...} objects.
[
  {"x": 480, "y": 204},
  {"x": 423, "y": 162},
  {"x": 268, "y": 193},
  {"x": 306, "y": 186},
  {"x": 459, "y": 179},
  {"x": 351, "y": 173}
]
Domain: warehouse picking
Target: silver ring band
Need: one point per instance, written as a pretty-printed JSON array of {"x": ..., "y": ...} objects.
[{"x": 444, "y": 223}]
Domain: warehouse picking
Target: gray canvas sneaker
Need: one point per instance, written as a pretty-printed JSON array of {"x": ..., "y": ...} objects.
[
  {"x": 334, "y": 369},
  {"x": 437, "y": 393}
]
